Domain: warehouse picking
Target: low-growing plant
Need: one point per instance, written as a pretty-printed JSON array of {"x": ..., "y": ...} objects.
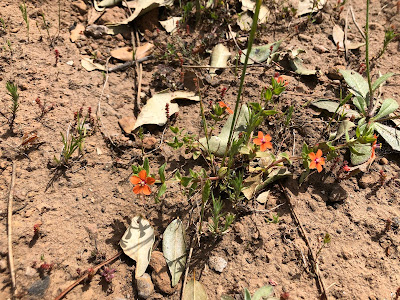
[
  {"x": 12, "y": 90},
  {"x": 22, "y": 8}
]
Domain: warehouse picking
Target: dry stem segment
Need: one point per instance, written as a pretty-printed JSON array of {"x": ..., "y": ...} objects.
[
  {"x": 321, "y": 284},
  {"x": 80, "y": 279},
  {"x": 9, "y": 229}
]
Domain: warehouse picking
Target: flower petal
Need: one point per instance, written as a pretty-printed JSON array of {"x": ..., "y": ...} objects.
[
  {"x": 319, "y": 168},
  {"x": 267, "y": 138},
  {"x": 146, "y": 190},
  {"x": 143, "y": 175},
  {"x": 229, "y": 110},
  {"x": 313, "y": 165},
  {"x": 222, "y": 104},
  {"x": 260, "y": 135},
  {"x": 268, "y": 145},
  {"x": 137, "y": 189},
  {"x": 322, "y": 160},
  {"x": 150, "y": 180},
  {"x": 134, "y": 180},
  {"x": 312, "y": 156},
  {"x": 257, "y": 141},
  {"x": 319, "y": 153},
  {"x": 263, "y": 147}
]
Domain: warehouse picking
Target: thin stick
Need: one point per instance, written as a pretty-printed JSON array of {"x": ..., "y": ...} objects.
[
  {"x": 9, "y": 230},
  {"x": 187, "y": 268},
  {"x": 95, "y": 269},
  {"x": 346, "y": 50},
  {"x": 320, "y": 282},
  {"x": 355, "y": 22}
]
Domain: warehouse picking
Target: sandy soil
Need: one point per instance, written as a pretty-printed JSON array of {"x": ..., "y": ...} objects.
[{"x": 91, "y": 202}]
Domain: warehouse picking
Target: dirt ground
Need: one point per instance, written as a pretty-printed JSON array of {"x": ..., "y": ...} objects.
[{"x": 90, "y": 203}]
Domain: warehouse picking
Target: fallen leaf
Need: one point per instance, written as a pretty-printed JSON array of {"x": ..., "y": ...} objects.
[
  {"x": 219, "y": 58},
  {"x": 218, "y": 144},
  {"x": 245, "y": 20},
  {"x": 174, "y": 249},
  {"x": 260, "y": 54},
  {"x": 143, "y": 6},
  {"x": 297, "y": 66},
  {"x": 89, "y": 65},
  {"x": 154, "y": 110},
  {"x": 137, "y": 243},
  {"x": 170, "y": 25},
  {"x": 124, "y": 53},
  {"x": 194, "y": 290},
  {"x": 263, "y": 197},
  {"x": 118, "y": 29},
  {"x": 105, "y": 3},
  {"x": 93, "y": 16},
  {"x": 308, "y": 6},
  {"x": 338, "y": 38},
  {"x": 127, "y": 124},
  {"x": 143, "y": 50},
  {"x": 77, "y": 32}
]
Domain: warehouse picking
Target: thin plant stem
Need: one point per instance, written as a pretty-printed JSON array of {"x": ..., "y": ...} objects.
[
  {"x": 239, "y": 95},
  {"x": 371, "y": 93}
]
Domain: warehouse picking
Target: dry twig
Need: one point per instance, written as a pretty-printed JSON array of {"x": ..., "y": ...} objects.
[
  {"x": 9, "y": 229},
  {"x": 80, "y": 279},
  {"x": 321, "y": 284}
]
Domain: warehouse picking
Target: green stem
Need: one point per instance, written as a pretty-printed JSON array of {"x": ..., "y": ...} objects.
[
  {"x": 371, "y": 93},
  {"x": 239, "y": 95}
]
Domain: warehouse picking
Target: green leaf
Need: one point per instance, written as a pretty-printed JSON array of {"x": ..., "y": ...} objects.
[
  {"x": 390, "y": 134},
  {"x": 218, "y": 144},
  {"x": 137, "y": 243},
  {"x": 161, "y": 191},
  {"x": 185, "y": 181},
  {"x": 161, "y": 172},
  {"x": 227, "y": 297},
  {"x": 381, "y": 80},
  {"x": 206, "y": 191},
  {"x": 260, "y": 53},
  {"x": 174, "y": 129},
  {"x": 247, "y": 295},
  {"x": 262, "y": 292},
  {"x": 194, "y": 290},
  {"x": 388, "y": 106},
  {"x": 297, "y": 66},
  {"x": 332, "y": 107},
  {"x": 344, "y": 128},
  {"x": 358, "y": 85},
  {"x": 360, "y": 103},
  {"x": 360, "y": 153},
  {"x": 146, "y": 166},
  {"x": 174, "y": 249}
]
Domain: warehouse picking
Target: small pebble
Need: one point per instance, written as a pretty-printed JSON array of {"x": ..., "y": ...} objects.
[
  {"x": 144, "y": 286},
  {"x": 383, "y": 161},
  {"x": 217, "y": 263}
]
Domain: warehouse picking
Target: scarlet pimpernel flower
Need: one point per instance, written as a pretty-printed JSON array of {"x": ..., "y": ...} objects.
[
  {"x": 223, "y": 105},
  {"x": 142, "y": 183},
  {"x": 317, "y": 161},
  {"x": 264, "y": 141},
  {"x": 281, "y": 81}
]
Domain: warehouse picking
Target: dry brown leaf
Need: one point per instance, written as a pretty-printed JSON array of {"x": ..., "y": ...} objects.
[
  {"x": 77, "y": 32},
  {"x": 143, "y": 50},
  {"x": 124, "y": 53}
]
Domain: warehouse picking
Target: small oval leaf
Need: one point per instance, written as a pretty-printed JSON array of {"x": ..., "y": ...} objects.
[
  {"x": 388, "y": 106},
  {"x": 174, "y": 249},
  {"x": 194, "y": 291}
]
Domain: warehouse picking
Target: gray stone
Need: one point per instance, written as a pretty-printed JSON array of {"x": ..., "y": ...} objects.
[
  {"x": 217, "y": 263},
  {"x": 144, "y": 286},
  {"x": 39, "y": 287}
]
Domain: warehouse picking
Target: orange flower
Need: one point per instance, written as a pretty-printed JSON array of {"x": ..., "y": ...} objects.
[
  {"x": 316, "y": 160},
  {"x": 142, "y": 183},
  {"x": 375, "y": 146},
  {"x": 281, "y": 80},
  {"x": 264, "y": 141},
  {"x": 223, "y": 105}
]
